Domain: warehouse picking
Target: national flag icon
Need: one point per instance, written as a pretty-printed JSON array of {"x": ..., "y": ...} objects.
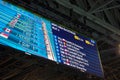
[
  {"x": 76, "y": 37},
  {"x": 4, "y": 35},
  {"x": 64, "y": 42},
  {"x": 87, "y": 42},
  {"x": 93, "y": 41},
  {"x": 68, "y": 62},
  {"x": 7, "y": 30}
]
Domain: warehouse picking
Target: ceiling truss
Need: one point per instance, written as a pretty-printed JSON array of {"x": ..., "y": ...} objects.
[{"x": 99, "y": 19}]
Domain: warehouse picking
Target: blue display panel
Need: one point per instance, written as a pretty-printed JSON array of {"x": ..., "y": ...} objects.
[
  {"x": 25, "y": 31},
  {"x": 35, "y": 35},
  {"x": 77, "y": 51}
]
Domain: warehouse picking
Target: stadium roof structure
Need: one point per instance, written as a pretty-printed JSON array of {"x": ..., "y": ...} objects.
[{"x": 98, "y": 19}]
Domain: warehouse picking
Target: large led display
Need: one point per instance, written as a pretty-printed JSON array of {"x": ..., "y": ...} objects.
[
  {"x": 77, "y": 51},
  {"x": 36, "y": 35},
  {"x": 25, "y": 31}
]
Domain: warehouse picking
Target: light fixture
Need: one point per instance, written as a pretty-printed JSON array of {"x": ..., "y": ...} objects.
[
  {"x": 119, "y": 49},
  {"x": 119, "y": 45}
]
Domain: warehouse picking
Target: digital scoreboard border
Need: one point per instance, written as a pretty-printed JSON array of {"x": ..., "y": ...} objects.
[{"x": 75, "y": 33}]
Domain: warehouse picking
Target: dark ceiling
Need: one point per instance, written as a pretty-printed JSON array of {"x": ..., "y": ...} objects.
[{"x": 98, "y": 19}]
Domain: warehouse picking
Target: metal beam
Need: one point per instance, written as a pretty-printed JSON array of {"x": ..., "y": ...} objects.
[
  {"x": 110, "y": 42},
  {"x": 117, "y": 38},
  {"x": 81, "y": 4},
  {"x": 21, "y": 72},
  {"x": 107, "y": 60},
  {"x": 96, "y": 27},
  {"x": 103, "y": 4},
  {"x": 117, "y": 15},
  {"x": 92, "y": 4},
  {"x": 105, "y": 9},
  {"x": 111, "y": 18},
  {"x": 89, "y": 16},
  {"x": 108, "y": 50}
]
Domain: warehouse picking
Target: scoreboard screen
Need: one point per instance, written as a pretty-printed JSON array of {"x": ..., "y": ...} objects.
[
  {"x": 36, "y": 35},
  {"x": 77, "y": 51}
]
